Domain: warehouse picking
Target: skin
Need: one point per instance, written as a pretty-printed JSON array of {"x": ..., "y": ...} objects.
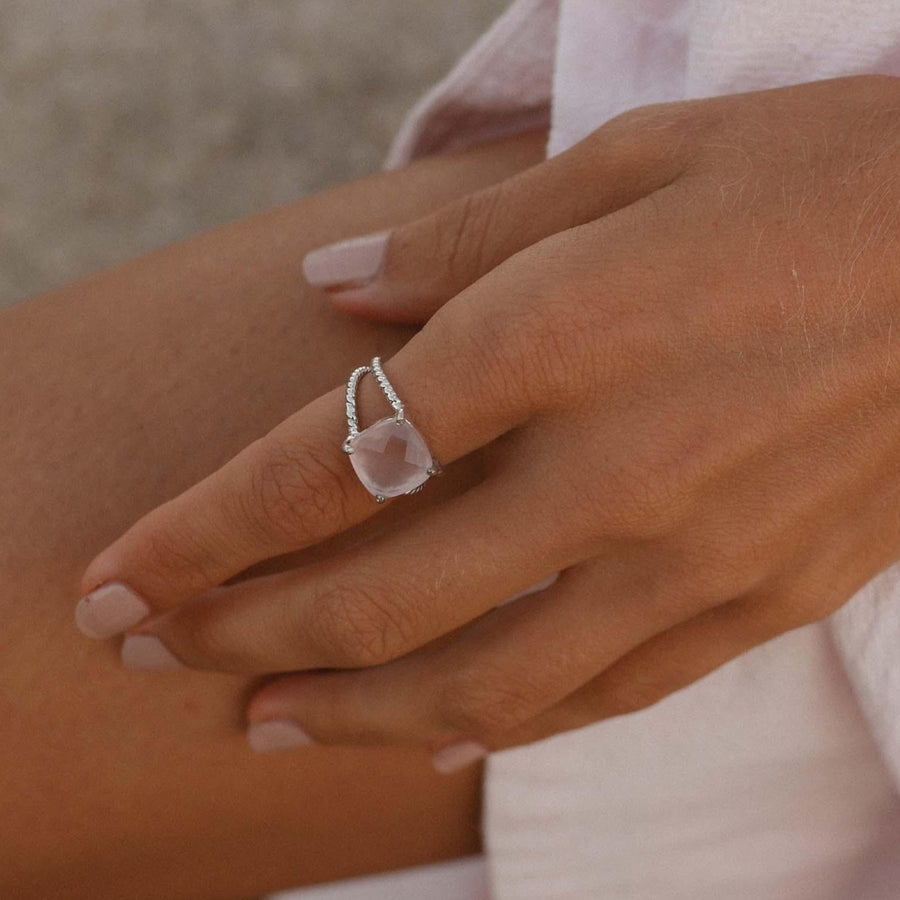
[
  {"x": 674, "y": 347},
  {"x": 119, "y": 392}
]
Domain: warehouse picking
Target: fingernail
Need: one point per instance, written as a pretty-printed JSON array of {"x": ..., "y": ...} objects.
[
  {"x": 355, "y": 261},
  {"x": 109, "y": 610},
  {"x": 276, "y": 734},
  {"x": 148, "y": 653},
  {"x": 457, "y": 756},
  {"x": 533, "y": 589}
]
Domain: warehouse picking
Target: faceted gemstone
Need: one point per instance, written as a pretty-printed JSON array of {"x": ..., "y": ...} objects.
[{"x": 390, "y": 457}]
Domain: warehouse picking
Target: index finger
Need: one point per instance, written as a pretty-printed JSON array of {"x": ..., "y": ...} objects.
[{"x": 296, "y": 486}]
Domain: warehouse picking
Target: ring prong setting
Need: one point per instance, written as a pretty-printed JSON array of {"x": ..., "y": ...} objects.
[{"x": 390, "y": 457}]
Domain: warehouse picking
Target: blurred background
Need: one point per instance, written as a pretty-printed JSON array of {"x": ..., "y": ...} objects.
[{"x": 128, "y": 124}]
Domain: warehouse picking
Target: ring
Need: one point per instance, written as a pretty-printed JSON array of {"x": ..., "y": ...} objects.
[{"x": 390, "y": 457}]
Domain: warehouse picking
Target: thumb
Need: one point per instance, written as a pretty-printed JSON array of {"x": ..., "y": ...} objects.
[{"x": 408, "y": 273}]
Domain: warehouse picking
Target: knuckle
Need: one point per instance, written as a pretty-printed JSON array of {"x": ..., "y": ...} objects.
[
  {"x": 464, "y": 235},
  {"x": 671, "y": 128},
  {"x": 358, "y": 625},
  {"x": 480, "y": 702},
  {"x": 537, "y": 346},
  {"x": 640, "y": 510},
  {"x": 459, "y": 240},
  {"x": 179, "y": 551},
  {"x": 634, "y": 506},
  {"x": 653, "y": 486},
  {"x": 299, "y": 491}
]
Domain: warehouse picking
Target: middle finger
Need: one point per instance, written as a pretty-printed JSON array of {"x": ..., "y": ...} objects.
[{"x": 374, "y": 602}]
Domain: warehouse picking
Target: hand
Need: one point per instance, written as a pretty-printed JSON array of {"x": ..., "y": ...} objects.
[{"x": 674, "y": 344}]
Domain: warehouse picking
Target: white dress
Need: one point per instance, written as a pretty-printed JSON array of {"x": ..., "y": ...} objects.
[{"x": 770, "y": 778}]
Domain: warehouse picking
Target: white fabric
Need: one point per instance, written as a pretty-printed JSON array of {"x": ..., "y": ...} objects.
[
  {"x": 477, "y": 101},
  {"x": 759, "y": 782},
  {"x": 762, "y": 780}
]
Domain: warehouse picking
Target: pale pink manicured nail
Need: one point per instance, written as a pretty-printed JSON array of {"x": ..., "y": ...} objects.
[
  {"x": 148, "y": 653},
  {"x": 276, "y": 734},
  {"x": 353, "y": 261},
  {"x": 533, "y": 589},
  {"x": 109, "y": 610},
  {"x": 456, "y": 756}
]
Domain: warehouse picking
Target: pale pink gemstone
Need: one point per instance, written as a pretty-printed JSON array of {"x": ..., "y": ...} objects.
[{"x": 390, "y": 457}]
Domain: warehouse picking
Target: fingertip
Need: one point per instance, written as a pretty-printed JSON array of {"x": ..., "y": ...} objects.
[{"x": 110, "y": 610}]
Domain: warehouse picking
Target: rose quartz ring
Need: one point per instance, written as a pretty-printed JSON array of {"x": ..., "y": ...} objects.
[{"x": 389, "y": 457}]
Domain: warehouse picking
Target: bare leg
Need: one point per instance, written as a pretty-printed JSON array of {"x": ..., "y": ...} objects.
[{"x": 116, "y": 393}]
